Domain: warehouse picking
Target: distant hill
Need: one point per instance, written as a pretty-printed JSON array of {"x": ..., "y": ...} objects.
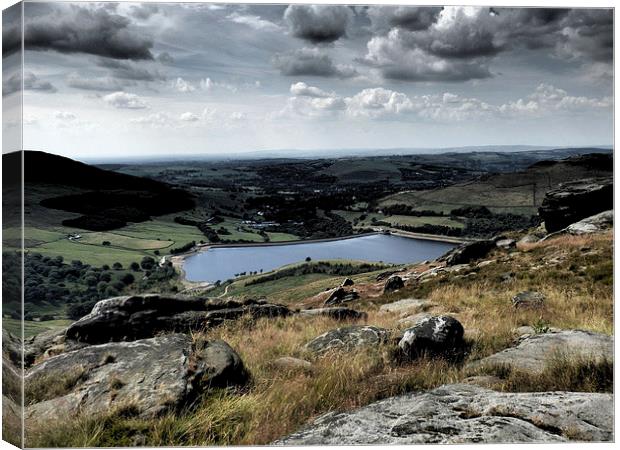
[
  {"x": 518, "y": 192},
  {"x": 106, "y": 200}
]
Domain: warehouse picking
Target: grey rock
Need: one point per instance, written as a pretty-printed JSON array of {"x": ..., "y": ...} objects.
[
  {"x": 463, "y": 413},
  {"x": 347, "y": 282},
  {"x": 506, "y": 244},
  {"x": 288, "y": 363},
  {"x": 485, "y": 381},
  {"x": 387, "y": 274},
  {"x": 534, "y": 352},
  {"x": 528, "y": 299},
  {"x": 404, "y": 305},
  {"x": 341, "y": 295},
  {"x": 147, "y": 377},
  {"x": 12, "y": 347},
  {"x": 576, "y": 200},
  {"x": 593, "y": 224},
  {"x": 393, "y": 283},
  {"x": 335, "y": 312},
  {"x": 466, "y": 253},
  {"x": 348, "y": 338},
  {"x": 142, "y": 316},
  {"x": 414, "y": 319},
  {"x": 530, "y": 239},
  {"x": 438, "y": 335}
]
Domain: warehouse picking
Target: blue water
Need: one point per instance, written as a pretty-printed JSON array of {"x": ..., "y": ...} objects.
[{"x": 224, "y": 262}]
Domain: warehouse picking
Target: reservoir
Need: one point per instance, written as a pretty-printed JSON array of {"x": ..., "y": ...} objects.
[{"x": 222, "y": 263}]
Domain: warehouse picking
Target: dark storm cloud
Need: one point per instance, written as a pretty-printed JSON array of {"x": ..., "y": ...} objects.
[
  {"x": 31, "y": 83},
  {"x": 312, "y": 62},
  {"x": 128, "y": 70},
  {"x": 459, "y": 44},
  {"x": 407, "y": 17},
  {"x": 165, "y": 58},
  {"x": 318, "y": 24},
  {"x": 85, "y": 29},
  {"x": 11, "y": 29}
]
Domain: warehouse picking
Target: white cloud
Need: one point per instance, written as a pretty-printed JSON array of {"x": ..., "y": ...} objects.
[
  {"x": 303, "y": 90},
  {"x": 124, "y": 100},
  {"x": 189, "y": 117},
  {"x": 377, "y": 102},
  {"x": 156, "y": 120},
  {"x": 183, "y": 86},
  {"x": 64, "y": 115},
  {"x": 255, "y": 22}
]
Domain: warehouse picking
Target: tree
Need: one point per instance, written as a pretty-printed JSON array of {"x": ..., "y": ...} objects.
[
  {"x": 117, "y": 266},
  {"x": 134, "y": 266},
  {"x": 147, "y": 263},
  {"x": 128, "y": 279},
  {"x": 308, "y": 259}
]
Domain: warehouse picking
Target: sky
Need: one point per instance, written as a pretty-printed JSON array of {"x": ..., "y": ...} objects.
[{"x": 132, "y": 79}]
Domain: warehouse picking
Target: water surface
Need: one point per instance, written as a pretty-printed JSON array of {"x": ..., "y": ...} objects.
[{"x": 222, "y": 263}]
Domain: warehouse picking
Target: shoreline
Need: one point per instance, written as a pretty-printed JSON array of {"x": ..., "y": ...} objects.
[{"x": 177, "y": 260}]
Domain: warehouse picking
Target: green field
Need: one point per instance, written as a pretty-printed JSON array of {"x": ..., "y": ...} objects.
[
  {"x": 31, "y": 328},
  {"x": 399, "y": 219}
]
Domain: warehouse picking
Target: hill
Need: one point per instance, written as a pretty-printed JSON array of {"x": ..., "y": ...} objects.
[{"x": 107, "y": 200}]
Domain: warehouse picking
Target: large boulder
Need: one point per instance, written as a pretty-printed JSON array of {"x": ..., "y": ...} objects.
[
  {"x": 534, "y": 352},
  {"x": 146, "y": 377},
  {"x": 466, "y": 253},
  {"x": 593, "y": 224},
  {"x": 461, "y": 413},
  {"x": 142, "y": 316},
  {"x": 576, "y": 200},
  {"x": 438, "y": 335},
  {"x": 393, "y": 283},
  {"x": 348, "y": 338},
  {"x": 341, "y": 295}
]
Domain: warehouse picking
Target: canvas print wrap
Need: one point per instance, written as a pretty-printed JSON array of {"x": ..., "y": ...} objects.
[{"x": 297, "y": 224}]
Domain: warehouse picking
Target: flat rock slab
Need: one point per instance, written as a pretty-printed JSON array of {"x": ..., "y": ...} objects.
[
  {"x": 348, "y": 338},
  {"x": 404, "y": 305},
  {"x": 534, "y": 352},
  {"x": 147, "y": 376},
  {"x": 462, "y": 413},
  {"x": 593, "y": 224},
  {"x": 142, "y": 316}
]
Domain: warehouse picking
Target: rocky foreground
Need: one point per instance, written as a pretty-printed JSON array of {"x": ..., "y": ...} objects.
[{"x": 148, "y": 356}]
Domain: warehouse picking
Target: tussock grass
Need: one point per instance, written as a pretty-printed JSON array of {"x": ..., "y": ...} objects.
[
  {"x": 278, "y": 402},
  {"x": 43, "y": 388}
]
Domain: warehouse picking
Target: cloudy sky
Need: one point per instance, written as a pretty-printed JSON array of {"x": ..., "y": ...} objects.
[{"x": 121, "y": 79}]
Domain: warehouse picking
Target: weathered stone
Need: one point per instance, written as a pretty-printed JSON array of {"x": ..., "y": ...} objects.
[
  {"x": 414, "y": 319},
  {"x": 534, "y": 352},
  {"x": 506, "y": 244},
  {"x": 336, "y": 312},
  {"x": 438, "y": 335},
  {"x": 406, "y": 304},
  {"x": 466, "y": 253},
  {"x": 148, "y": 377},
  {"x": 341, "y": 295},
  {"x": 576, "y": 200},
  {"x": 528, "y": 299},
  {"x": 292, "y": 364},
  {"x": 12, "y": 347},
  {"x": 529, "y": 239},
  {"x": 387, "y": 274},
  {"x": 593, "y": 224},
  {"x": 393, "y": 283},
  {"x": 347, "y": 282},
  {"x": 463, "y": 413},
  {"x": 485, "y": 381},
  {"x": 348, "y": 338},
  {"x": 142, "y": 316}
]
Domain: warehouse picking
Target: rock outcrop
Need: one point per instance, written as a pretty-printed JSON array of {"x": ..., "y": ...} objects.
[
  {"x": 393, "y": 283},
  {"x": 347, "y": 282},
  {"x": 576, "y": 200},
  {"x": 534, "y": 352},
  {"x": 341, "y": 295},
  {"x": 593, "y": 224},
  {"x": 348, "y": 338},
  {"x": 466, "y": 253},
  {"x": 142, "y": 316},
  {"x": 463, "y": 413},
  {"x": 438, "y": 335},
  {"x": 146, "y": 377}
]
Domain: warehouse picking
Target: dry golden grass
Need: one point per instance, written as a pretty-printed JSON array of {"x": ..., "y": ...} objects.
[{"x": 574, "y": 276}]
